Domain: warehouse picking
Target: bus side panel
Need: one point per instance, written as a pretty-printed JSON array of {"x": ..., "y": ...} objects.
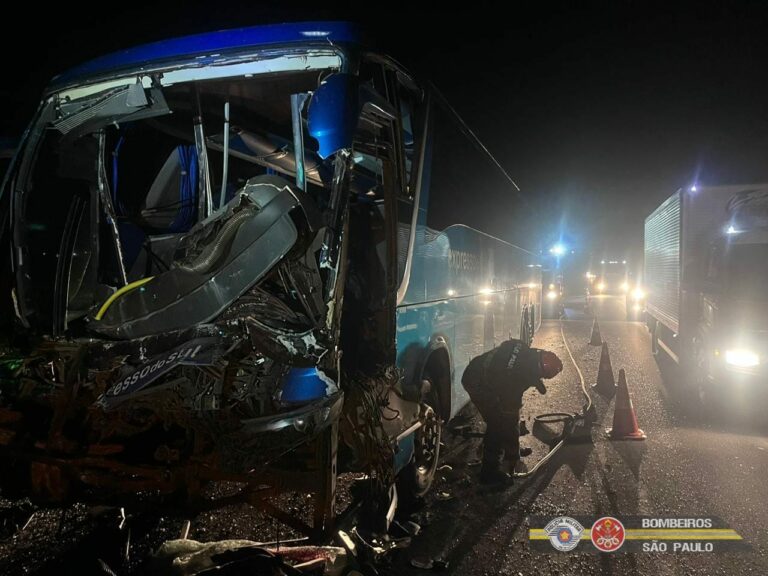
[{"x": 467, "y": 288}]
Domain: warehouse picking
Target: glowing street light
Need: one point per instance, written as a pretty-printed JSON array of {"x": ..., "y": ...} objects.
[{"x": 557, "y": 250}]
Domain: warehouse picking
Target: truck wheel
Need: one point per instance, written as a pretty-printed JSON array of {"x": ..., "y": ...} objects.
[
  {"x": 655, "y": 338},
  {"x": 705, "y": 399},
  {"x": 416, "y": 478}
]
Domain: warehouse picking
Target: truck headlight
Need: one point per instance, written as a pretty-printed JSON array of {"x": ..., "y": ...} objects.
[
  {"x": 742, "y": 358},
  {"x": 551, "y": 295},
  {"x": 601, "y": 286},
  {"x": 624, "y": 287},
  {"x": 638, "y": 294}
]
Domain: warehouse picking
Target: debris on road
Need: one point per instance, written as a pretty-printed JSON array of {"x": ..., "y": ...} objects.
[
  {"x": 190, "y": 557},
  {"x": 426, "y": 563},
  {"x": 422, "y": 562},
  {"x": 185, "y": 530},
  {"x": 411, "y": 527}
]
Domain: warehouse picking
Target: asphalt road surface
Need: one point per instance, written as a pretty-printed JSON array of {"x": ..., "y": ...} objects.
[{"x": 685, "y": 468}]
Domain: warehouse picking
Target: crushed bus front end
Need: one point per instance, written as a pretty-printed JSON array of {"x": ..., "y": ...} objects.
[{"x": 176, "y": 254}]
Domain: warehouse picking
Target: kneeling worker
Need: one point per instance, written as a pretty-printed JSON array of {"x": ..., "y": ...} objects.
[{"x": 495, "y": 381}]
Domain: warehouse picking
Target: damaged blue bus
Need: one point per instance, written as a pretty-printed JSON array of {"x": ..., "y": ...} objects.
[{"x": 244, "y": 256}]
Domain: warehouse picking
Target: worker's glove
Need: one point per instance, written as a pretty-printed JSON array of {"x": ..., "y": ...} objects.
[{"x": 540, "y": 387}]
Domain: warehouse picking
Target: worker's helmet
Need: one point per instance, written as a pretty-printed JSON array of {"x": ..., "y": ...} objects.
[{"x": 549, "y": 364}]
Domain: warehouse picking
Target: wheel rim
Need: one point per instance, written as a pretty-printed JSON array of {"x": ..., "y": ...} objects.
[{"x": 427, "y": 446}]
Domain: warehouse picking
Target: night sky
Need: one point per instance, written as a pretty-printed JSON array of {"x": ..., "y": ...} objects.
[{"x": 597, "y": 112}]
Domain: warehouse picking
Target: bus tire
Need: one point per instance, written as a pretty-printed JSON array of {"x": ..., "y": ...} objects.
[{"x": 415, "y": 480}]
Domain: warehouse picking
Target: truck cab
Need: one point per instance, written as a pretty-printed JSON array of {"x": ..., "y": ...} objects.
[
  {"x": 730, "y": 342},
  {"x": 706, "y": 249}
]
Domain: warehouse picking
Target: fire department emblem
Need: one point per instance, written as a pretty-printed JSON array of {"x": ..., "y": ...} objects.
[{"x": 608, "y": 534}]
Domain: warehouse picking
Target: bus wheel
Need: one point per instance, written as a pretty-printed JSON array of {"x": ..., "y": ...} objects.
[{"x": 416, "y": 478}]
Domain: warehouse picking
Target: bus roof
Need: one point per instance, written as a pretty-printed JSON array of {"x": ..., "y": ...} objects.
[{"x": 209, "y": 43}]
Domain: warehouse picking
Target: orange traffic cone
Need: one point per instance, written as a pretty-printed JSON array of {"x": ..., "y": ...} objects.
[
  {"x": 595, "y": 339},
  {"x": 624, "y": 417},
  {"x": 605, "y": 384}
]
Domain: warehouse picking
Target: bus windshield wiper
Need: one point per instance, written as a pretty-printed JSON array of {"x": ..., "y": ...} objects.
[{"x": 126, "y": 103}]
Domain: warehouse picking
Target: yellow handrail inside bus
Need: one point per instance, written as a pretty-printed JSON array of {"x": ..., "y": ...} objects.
[{"x": 116, "y": 295}]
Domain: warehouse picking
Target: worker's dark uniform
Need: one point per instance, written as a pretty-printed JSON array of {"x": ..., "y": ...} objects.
[{"x": 495, "y": 381}]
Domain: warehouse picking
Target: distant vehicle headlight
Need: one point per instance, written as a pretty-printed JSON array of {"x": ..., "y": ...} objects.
[
  {"x": 638, "y": 294},
  {"x": 552, "y": 295},
  {"x": 601, "y": 286},
  {"x": 742, "y": 358},
  {"x": 625, "y": 287}
]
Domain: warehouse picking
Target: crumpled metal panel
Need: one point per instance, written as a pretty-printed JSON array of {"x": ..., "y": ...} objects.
[{"x": 201, "y": 285}]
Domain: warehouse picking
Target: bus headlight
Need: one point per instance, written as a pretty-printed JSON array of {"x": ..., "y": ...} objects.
[
  {"x": 638, "y": 294},
  {"x": 742, "y": 358},
  {"x": 551, "y": 295}
]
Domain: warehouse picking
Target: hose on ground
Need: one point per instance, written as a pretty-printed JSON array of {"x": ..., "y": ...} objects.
[{"x": 569, "y": 419}]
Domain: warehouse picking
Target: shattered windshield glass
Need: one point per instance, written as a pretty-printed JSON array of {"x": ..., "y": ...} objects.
[{"x": 137, "y": 167}]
